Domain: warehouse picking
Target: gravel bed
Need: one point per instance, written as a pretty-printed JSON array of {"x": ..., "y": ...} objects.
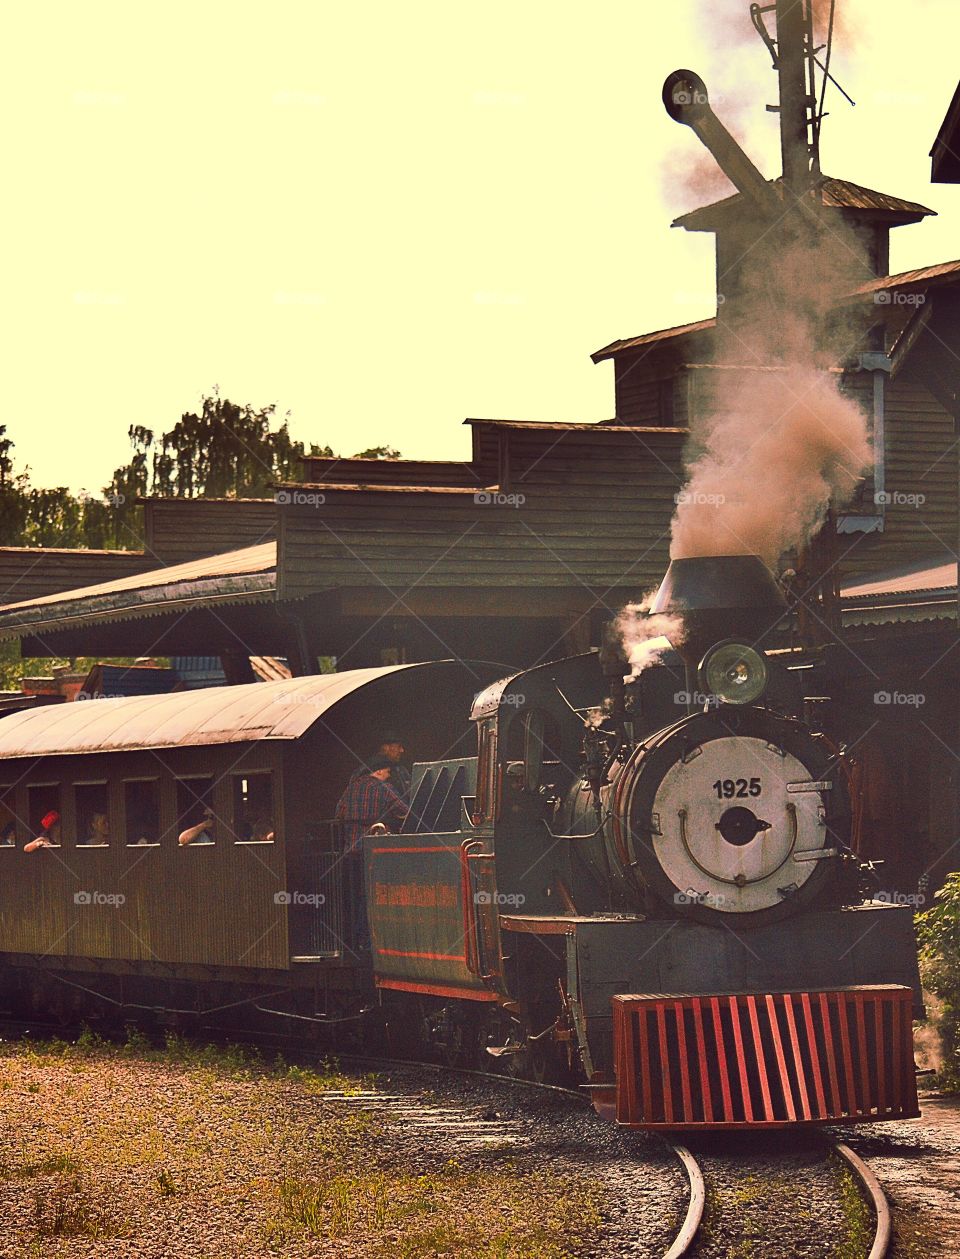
[
  {"x": 777, "y": 1194},
  {"x": 139, "y": 1157},
  {"x": 917, "y": 1162}
]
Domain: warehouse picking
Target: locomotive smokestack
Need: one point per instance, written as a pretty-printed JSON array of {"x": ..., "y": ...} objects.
[
  {"x": 686, "y": 101},
  {"x": 717, "y": 597}
]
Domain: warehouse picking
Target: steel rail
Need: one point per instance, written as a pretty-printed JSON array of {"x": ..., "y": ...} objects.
[
  {"x": 698, "y": 1197},
  {"x": 878, "y": 1199}
]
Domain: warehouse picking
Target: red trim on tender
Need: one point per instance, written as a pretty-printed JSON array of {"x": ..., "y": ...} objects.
[
  {"x": 429, "y": 957},
  {"x": 436, "y": 990},
  {"x": 443, "y": 848}
]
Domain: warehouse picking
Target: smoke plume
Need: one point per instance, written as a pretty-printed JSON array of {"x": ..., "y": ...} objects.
[
  {"x": 773, "y": 440},
  {"x": 645, "y": 638}
]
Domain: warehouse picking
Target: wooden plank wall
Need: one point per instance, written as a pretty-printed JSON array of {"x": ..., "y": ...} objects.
[
  {"x": 592, "y": 508},
  {"x": 921, "y": 460},
  {"x": 32, "y": 572},
  {"x": 176, "y": 530}
]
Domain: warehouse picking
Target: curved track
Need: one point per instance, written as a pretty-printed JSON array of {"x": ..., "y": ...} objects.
[
  {"x": 874, "y": 1191},
  {"x": 698, "y": 1198}
]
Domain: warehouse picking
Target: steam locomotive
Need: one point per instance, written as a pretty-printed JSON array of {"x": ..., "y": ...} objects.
[{"x": 641, "y": 882}]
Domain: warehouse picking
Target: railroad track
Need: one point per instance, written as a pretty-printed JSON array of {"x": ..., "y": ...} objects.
[{"x": 440, "y": 1118}]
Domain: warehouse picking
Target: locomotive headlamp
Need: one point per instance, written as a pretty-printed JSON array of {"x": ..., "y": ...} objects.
[{"x": 733, "y": 672}]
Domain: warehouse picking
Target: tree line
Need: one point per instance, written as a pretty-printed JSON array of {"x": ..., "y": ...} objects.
[{"x": 222, "y": 450}]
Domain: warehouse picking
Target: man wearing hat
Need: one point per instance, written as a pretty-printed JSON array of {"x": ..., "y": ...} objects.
[
  {"x": 391, "y": 748},
  {"x": 368, "y": 799}
]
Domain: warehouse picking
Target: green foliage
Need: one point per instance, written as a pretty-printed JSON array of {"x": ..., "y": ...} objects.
[
  {"x": 938, "y": 931},
  {"x": 377, "y": 452}
]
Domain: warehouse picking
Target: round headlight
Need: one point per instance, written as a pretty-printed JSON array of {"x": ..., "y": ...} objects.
[{"x": 733, "y": 672}]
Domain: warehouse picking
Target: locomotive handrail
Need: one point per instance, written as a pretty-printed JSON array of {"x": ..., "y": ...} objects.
[
  {"x": 591, "y": 835},
  {"x": 472, "y": 943}
]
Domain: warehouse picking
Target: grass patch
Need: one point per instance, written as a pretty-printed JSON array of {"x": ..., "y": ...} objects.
[
  {"x": 856, "y": 1213},
  {"x": 51, "y": 1165},
  {"x": 230, "y": 1059},
  {"x": 70, "y": 1209},
  {"x": 535, "y": 1216}
]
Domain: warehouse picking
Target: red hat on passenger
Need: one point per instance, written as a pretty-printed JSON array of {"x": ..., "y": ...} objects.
[{"x": 50, "y": 819}]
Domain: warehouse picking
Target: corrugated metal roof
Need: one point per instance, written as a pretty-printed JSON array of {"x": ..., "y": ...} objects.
[
  {"x": 241, "y": 576},
  {"x": 903, "y": 279},
  {"x": 229, "y": 714},
  {"x": 840, "y": 194},
  {"x": 592, "y": 426},
  {"x": 648, "y": 338},
  {"x": 249, "y": 559},
  {"x": 374, "y": 487},
  {"x": 910, "y": 594},
  {"x": 939, "y": 273},
  {"x": 909, "y": 580}
]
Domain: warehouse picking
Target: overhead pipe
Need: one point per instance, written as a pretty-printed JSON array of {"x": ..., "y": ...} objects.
[{"x": 686, "y": 101}]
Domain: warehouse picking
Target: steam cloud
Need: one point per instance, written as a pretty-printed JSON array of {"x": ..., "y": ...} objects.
[
  {"x": 645, "y": 638},
  {"x": 774, "y": 441}
]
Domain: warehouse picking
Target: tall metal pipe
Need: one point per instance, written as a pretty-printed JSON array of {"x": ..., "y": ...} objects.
[
  {"x": 793, "y": 33},
  {"x": 685, "y": 100}
]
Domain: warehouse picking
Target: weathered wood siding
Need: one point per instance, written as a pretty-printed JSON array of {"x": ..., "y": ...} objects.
[
  {"x": 584, "y": 508},
  {"x": 32, "y": 572},
  {"x": 920, "y": 520},
  {"x": 178, "y": 529}
]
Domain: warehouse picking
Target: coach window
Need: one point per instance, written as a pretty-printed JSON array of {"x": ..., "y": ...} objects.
[
  {"x": 8, "y": 817},
  {"x": 196, "y": 820},
  {"x": 253, "y": 819},
  {"x": 92, "y": 802},
  {"x": 141, "y": 812},
  {"x": 43, "y": 812}
]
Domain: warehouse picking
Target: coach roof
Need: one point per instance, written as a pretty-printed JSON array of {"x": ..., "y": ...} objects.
[{"x": 224, "y": 714}]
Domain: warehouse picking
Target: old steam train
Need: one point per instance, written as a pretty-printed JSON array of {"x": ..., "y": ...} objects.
[{"x": 645, "y": 887}]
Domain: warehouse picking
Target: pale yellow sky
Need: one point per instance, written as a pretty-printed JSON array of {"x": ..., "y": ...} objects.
[{"x": 386, "y": 217}]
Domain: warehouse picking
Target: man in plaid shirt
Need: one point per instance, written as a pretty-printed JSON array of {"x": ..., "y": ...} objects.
[{"x": 369, "y": 798}]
